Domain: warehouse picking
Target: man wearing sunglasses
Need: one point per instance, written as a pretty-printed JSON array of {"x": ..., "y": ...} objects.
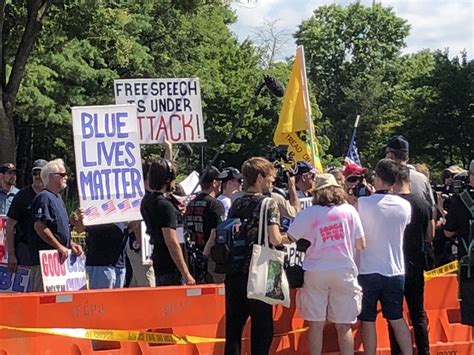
[
  {"x": 51, "y": 221},
  {"x": 7, "y": 186},
  {"x": 304, "y": 176},
  {"x": 20, "y": 221}
]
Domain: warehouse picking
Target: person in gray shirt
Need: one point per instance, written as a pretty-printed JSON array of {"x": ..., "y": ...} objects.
[{"x": 398, "y": 150}]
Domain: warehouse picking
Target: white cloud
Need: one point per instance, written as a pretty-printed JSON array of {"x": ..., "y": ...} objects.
[{"x": 435, "y": 24}]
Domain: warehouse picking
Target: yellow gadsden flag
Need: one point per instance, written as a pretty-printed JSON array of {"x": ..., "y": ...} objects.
[{"x": 295, "y": 128}]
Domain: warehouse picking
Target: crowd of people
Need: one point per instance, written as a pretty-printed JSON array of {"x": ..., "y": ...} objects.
[{"x": 368, "y": 239}]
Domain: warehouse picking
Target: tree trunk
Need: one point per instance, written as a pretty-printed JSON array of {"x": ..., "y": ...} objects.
[{"x": 7, "y": 140}]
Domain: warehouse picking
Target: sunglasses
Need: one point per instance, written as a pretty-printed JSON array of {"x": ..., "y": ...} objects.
[
  {"x": 36, "y": 172},
  {"x": 60, "y": 174},
  {"x": 353, "y": 178}
]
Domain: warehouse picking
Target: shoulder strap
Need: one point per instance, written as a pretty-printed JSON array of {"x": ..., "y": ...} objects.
[
  {"x": 466, "y": 198},
  {"x": 262, "y": 223}
]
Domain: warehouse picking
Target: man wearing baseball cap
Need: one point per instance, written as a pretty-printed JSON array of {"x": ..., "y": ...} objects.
[
  {"x": 460, "y": 223},
  {"x": 304, "y": 175},
  {"x": 7, "y": 186},
  {"x": 398, "y": 149},
  {"x": 203, "y": 214},
  {"x": 19, "y": 223},
  {"x": 231, "y": 184}
]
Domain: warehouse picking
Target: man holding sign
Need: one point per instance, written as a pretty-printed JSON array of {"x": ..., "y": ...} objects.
[{"x": 51, "y": 221}]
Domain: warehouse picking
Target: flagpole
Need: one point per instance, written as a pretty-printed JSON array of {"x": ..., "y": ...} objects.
[
  {"x": 307, "y": 107},
  {"x": 353, "y": 136}
]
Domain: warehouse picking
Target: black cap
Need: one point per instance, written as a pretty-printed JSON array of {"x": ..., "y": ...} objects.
[
  {"x": 303, "y": 167},
  {"x": 398, "y": 143},
  {"x": 231, "y": 173},
  {"x": 213, "y": 174},
  {"x": 7, "y": 167},
  {"x": 39, "y": 164}
]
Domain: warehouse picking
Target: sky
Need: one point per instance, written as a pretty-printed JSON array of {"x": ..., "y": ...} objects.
[{"x": 435, "y": 24}]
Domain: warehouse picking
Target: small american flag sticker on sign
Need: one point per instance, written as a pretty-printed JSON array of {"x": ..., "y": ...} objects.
[
  {"x": 124, "y": 206},
  {"x": 136, "y": 203},
  {"x": 92, "y": 213},
  {"x": 108, "y": 207}
]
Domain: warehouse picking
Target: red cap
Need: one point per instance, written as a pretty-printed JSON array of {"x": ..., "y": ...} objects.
[{"x": 353, "y": 169}]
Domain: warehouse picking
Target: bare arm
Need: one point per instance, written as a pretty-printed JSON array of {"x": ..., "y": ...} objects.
[
  {"x": 210, "y": 243},
  {"x": 176, "y": 253},
  {"x": 430, "y": 231},
  {"x": 9, "y": 235},
  {"x": 274, "y": 235},
  {"x": 360, "y": 243},
  {"x": 168, "y": 150},
  {"x": 48, "y": 237},
  {"x": 292, "y": 194}
]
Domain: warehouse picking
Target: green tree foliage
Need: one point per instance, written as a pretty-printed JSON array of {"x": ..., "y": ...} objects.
[
  {"x": 441, "y": 111},
  {"x": 82, "y": 49},
  {"x": 352, "y": 57}
]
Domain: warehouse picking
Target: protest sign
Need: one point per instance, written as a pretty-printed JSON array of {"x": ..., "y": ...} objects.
[
  {"x": 166, "y": 108},
  {"x": 146, "y": 246},
  {"x": 67, "y": 276},
  {"x": 108, "y": 163},
  {"x": 17, "y": 281},
  {"x": 3, "y": 239}
]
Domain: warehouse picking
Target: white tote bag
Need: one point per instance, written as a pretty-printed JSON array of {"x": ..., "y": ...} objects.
[{"x": 267, "y": 280}]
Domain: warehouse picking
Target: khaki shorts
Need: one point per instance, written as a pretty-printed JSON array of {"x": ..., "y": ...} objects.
[{"x": 332, "y": 295}]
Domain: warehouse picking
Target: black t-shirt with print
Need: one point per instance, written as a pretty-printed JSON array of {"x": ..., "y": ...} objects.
[
  {"x": 158, "y": 212},
  {"x": 203, "y": 214}
]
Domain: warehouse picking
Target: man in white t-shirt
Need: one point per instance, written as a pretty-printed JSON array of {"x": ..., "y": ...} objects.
[{"x": 384, "y": 217}]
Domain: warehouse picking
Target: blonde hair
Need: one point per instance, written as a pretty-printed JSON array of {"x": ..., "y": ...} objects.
[{"x": 51, "y": 167}]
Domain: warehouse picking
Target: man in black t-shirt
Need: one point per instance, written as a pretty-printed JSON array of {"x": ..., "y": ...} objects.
[
  {"x": 20, "y": 220},
  {"x": 161, "y": 219},
  {"x": 458, "y": 223},
  {"x": 414, "y": 239},
  {"x": 203, "y": 214},
  {"x": 105, "y": 256}
]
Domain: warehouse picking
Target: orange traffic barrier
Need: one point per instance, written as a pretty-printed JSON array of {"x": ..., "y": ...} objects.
[{"x": 192, "y": 311}]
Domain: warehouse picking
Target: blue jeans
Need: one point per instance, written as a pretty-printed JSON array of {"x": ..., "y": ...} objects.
[{"x": 105, "y": 277}]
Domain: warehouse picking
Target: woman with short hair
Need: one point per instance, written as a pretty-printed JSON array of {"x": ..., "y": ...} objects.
[{"x": 330, "y": 290}]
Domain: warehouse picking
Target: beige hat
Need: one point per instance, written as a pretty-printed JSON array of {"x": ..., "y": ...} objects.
[
  {"x": 325, "y": 180},
  {"x": 455, "y": 169}
]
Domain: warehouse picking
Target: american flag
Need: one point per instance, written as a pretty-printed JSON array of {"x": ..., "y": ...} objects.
[
  {"x": 136, "y": 203},
  {"x": 124, "y": 206},
  {"x": 92, "y": 213},
  {"x": 352, "y": 155},
  {"x": 108, "y": 207}
]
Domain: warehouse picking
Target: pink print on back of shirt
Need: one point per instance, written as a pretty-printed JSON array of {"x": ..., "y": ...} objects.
[{"x": 333, "y": 232}]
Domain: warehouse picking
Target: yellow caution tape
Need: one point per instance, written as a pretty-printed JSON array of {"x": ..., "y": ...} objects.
[
  {"x": 442, "y": 270},
  {"x": 130, "y": 335}
]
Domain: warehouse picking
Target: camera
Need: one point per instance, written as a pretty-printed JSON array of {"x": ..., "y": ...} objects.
[
  {"x": 281, "y": 159},
  {"x": 360, "y": 189}
]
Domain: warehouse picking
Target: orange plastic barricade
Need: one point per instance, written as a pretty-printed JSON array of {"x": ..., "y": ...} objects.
[{"x": 190, "y": 311}]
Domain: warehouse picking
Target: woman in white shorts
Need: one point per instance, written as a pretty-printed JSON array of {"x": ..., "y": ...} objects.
[{"x": 330, "y": 290}]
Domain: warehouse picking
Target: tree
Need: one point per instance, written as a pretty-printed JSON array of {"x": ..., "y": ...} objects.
[
  {"x": 351, "y": 56},
  {"x": 441, "y": 124},
  {"x": 36, "y": 11}
]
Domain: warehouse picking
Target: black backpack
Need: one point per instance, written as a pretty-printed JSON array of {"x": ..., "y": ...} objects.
[{"x": 232, "y": 244}]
